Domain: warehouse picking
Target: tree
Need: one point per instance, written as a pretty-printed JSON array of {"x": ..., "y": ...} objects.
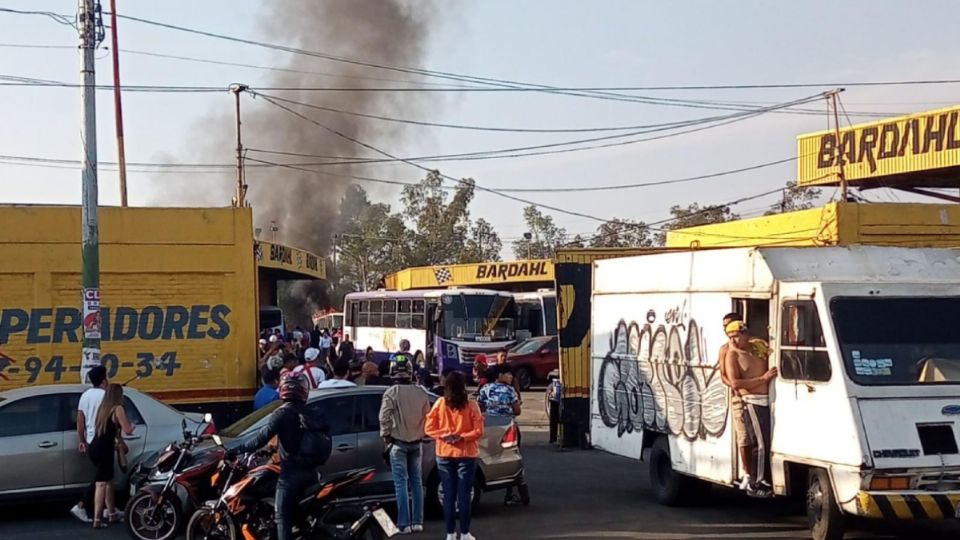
[
  {"x": 623, "y": 233},
  {"x": 693, "y": 216},
  {"x": 370, "y": 243},
  {"x": 545, "y": 236},
  {"x": 483, "y": 243},
  {"x": 441, "y": 223},
  {"x": 794, "y": 198}
]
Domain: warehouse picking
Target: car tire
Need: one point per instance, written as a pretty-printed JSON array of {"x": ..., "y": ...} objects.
[
  {"x": 524, "y": 378},
  {"x": 434, "y": 501},
  {"x": 142, "y": 527},
  {"x": 823, "y": 513},
  {"x": 670, "y": 488}
]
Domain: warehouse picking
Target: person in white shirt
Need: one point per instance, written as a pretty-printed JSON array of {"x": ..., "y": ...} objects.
[
  {"x": 325, "y": 343},
  {"x": 86, "y": 429},
  {"x": 340, "y": 372},
  {"x": 311, "y": 370}
]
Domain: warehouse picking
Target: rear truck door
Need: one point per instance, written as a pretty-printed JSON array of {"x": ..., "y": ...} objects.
[
  {"x": 370, "y": 445},
  {"x": 31, "y": 444},
  {"x": 339, "y": 411}
]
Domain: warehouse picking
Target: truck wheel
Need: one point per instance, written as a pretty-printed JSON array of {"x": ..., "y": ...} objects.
[
  {"x": 823, "y": 514},
  {"x": 670, "y": 488}
]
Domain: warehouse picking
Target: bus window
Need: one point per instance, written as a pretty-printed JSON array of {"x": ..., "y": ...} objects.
[
  {"x": 404, "y": 308},
  {"x": 389, "y": 314},
  {"x": 417, "y": 321}
]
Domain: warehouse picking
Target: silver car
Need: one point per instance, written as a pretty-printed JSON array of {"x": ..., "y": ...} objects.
[
  {"x": 38, "y": 439},
  {"x": 354, "y": 418}
]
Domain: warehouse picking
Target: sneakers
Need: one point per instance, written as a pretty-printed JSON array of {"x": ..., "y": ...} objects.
[
  {"x": 760, "y": 489},
  {"x": 467, "y": 536},
  {"x": 512, "y": 500},
  {"x": 404, "y": 530},
  {"x": 417, "y": 528},
  {"x": 80, "y": 513},
  {"x": 115, "y": 517},
  {"x": 745, "y": 482},
  {"x": 452, "y": 536}
]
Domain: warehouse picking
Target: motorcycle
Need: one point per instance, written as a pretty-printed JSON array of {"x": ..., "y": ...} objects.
[
  {"x": 178, "y": 483},
  {"x": 245, "y": 509}
]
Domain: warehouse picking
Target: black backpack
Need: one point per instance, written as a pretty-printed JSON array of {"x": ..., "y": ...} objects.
[{"x": 315, "y": 442}]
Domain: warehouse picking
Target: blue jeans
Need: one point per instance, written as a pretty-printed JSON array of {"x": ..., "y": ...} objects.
[
  {"x": 457, "y": 477},
  {"x": 293, "y": 480},
  {"x": 407, "y": 475}
]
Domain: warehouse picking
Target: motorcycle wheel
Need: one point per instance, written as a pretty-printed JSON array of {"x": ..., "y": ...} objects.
[
  {"x": 147, "y": 521},
  {"x": 203, "y": 525}
]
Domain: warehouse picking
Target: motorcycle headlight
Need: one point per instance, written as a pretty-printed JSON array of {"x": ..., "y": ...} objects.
[{"x": 157, "y": 476}]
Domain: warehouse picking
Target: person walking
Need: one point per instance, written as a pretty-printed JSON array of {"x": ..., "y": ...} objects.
[
  {"x": 341, "y": 370},
  {"x": 402, "y": 356},
  {"x": 499, "y": 398},
  {"x": 111, "y": 421},
  {"x": 297, "y": 463},
  {"x": 456, "y": 424},
  {"x": 403, "y": 417},
  {"x": 87, "y": 410},
  {"x": 347, "y": 349},
  {"x": 268, "y": 392},
  {"x": 312, "y": 370}
]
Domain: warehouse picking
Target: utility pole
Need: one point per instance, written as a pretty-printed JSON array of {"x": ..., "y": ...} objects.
[
  {"x": 240, "y": 197},
  {"x": 90, "y": 34},
  {"x": 836, "y": 128},
  {"x": 117, "y": 104}
]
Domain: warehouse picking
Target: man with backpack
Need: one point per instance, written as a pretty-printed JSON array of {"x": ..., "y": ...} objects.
[
  {"x": 304, "y": 445},
  {"x": 402, "y": 357}
]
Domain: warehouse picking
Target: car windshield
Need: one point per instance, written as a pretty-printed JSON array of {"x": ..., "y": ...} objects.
[
  {"x": 250, "y": 422},
  {"x": 527, "y": 347},
  {"x": 903, "y": 341},
  {"x": 477, "y": 317}
]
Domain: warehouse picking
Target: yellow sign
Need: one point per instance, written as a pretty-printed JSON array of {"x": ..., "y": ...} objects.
[
  {"x": 280, "y": 257},
  {"x": 894, "y": 147},
  {"x": 177, "y": 305},
  {"x": 472, "y": 275}
]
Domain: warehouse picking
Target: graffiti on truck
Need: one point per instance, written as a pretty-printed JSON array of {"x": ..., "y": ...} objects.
[{"x": 656, "y": 377}]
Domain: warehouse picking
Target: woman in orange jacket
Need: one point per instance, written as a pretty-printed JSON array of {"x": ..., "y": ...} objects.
[{"x": 457, "y": 425}]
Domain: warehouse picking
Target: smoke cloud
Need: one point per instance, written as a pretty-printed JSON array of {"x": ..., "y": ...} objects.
[{"x": 304, "y": 205}]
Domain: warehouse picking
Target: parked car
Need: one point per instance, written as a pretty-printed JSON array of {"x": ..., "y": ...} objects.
[
  {"x": 354, "y": 418},
  {"x": 38, "y": 439},
  {"x": 533, "y": 359}
]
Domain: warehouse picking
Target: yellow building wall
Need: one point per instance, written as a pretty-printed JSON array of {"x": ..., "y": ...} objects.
[
  {"x": 893, "y": 224},
  {"x": 177, "y": 296}
]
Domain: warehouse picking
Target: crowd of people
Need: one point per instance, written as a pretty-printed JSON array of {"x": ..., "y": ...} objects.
[{"x": 454, "y": 421}]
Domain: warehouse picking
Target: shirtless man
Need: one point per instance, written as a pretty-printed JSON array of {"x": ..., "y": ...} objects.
[{"x": 750, "y": 379}]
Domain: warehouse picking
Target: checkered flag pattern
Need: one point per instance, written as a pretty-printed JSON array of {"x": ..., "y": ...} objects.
[{"x": 443, "y": 275}]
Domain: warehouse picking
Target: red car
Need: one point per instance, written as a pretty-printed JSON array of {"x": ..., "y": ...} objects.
[{"x": 534, "y": 358}]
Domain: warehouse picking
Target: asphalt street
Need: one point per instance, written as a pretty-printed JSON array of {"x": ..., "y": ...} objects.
[{"x": 576, "y": 494}]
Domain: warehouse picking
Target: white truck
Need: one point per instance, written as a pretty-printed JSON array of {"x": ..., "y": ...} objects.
[{"x": 866, "y": 407}]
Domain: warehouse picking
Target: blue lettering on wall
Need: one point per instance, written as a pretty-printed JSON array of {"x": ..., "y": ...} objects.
[
  {"x": 198, "y": 318},
  {"x": 120, "y": 323},
  {"x": 39, "y": 321}
]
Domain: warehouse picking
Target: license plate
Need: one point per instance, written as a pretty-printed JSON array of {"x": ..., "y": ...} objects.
[{"x": 385, "y": 522}]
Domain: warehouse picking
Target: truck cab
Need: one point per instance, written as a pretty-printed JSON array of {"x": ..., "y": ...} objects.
[{"x": 865, "y": 409}]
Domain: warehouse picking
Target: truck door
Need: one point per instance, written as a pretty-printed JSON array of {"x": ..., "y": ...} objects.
[{"x": 803, "y": 398}]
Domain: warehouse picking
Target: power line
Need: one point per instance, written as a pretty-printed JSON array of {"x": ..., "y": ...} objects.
[{"x": 704, "y": 123}]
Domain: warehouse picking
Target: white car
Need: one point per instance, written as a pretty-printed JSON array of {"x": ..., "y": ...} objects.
[{"x": 38, "y": 439}]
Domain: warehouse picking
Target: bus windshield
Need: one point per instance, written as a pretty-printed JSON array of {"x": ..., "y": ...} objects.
[
  {"x": 478, "y": 317},
  {"x": 903, "y": 341}
]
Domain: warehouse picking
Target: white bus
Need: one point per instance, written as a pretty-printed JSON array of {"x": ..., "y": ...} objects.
[
  {"x": 329, "y": 321},
  {"x": 536, "y": 314},
  {"x": 447, "y": 328}
]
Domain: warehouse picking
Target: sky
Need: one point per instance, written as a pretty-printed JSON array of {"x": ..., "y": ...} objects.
[{"x": 560, "y": 43}]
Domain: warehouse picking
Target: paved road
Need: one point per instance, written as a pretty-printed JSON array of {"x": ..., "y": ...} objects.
[{"x": 576, "y": 495}]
